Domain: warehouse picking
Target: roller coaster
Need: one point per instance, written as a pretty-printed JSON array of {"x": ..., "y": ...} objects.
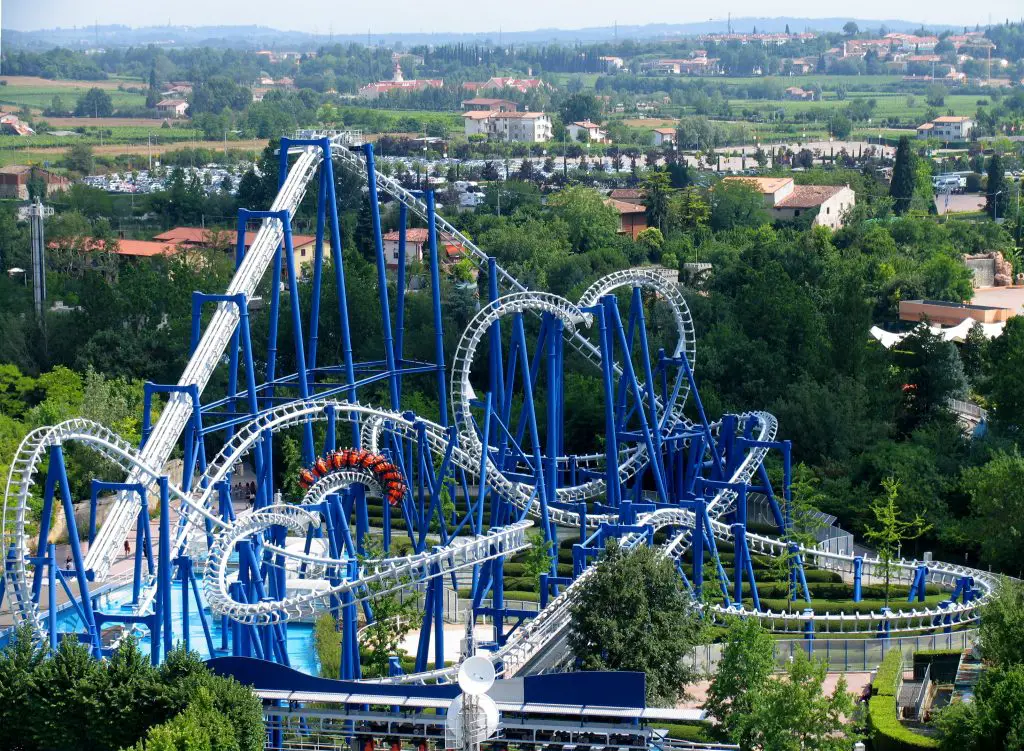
[{"x": 471, "y": 486}]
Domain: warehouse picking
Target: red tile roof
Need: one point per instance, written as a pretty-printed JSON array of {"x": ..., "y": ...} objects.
[
  {"x": 808, "y": 196},
  {"x": 625, "y": 207},
  {"x": 200, "y": 236}
]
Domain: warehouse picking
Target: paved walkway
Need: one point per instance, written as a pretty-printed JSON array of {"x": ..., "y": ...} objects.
[{"x": 855, "y": 683}]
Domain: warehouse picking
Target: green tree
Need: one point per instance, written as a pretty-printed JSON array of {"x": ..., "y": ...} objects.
[
  {"x": 997, "y": 502},
  {"x": 634, "y": 613},
  {"x": 79, "y": 158},
  {"x": 60, "y": 700},
  {"x": 199, "y": 727},
  {"x": 850, "y": 28},
  {"x": 795, "y": 713},
  {"x": 580, "y": 107},
  {"x": 736, "y": 204},
  {"x": 18, "y": 662},
  {"x": 745, "y": 668},
  {"x": 393, "y": 618},
  {"x": 842, "y": 126},
  {"x": 993, "y": 719},
  {"x": 935, "y": 95},
  {"x": 538, "y": 557},
  {"x": 94, "y": 103},
  {"x": 657, "y": 193},
  {"x": 592, "y": 224},
  {"x": 931, "y": 374},
  {"x": 1001, "y": 627},
  {"x": 1005, "y": 376},
  {"x": 901, "y": 188},
  {"x": 997, "y": 192},
  {"x": 889, "y": 531},
  {"x": 688, "y": 210}
]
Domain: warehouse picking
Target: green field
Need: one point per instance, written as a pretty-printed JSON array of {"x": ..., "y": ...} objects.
[
  {"x": 39, "y": 97},
  {"x": 888, "y": 105}
]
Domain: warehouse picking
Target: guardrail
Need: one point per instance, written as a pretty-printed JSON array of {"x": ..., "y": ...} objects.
[
  {"x": 843, "y": 655},
  {"x": 922, "y": 694}
]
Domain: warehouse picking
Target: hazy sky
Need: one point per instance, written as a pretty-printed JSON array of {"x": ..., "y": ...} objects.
[{"x": 355, "y": 16}]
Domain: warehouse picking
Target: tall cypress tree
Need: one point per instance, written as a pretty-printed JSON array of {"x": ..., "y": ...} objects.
[
  {"x": 996, "y": 195},
  {"x": 903, "y": 178}
]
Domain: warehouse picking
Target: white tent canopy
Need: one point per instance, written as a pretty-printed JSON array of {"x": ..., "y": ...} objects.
[{"x": 956, "y": 333}]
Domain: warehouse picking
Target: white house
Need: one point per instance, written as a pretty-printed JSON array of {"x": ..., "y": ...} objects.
[
  {"x": 593, "y": 131},
  {"x": 664, "y": 136},
  {"x": 787, "y": 201},
  {"x": 172, "y": 107},
  {"x": 947, "y": 128},
  {"x": 530, "y": 127}
]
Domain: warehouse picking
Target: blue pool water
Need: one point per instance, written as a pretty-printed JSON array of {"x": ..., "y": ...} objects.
[{"x": 301, "y": 650}]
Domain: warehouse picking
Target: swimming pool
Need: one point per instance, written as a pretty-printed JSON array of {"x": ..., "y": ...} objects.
[{"x": 301, "y": 649}]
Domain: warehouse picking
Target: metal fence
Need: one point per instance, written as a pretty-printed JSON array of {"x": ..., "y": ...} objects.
[{"x": 844, "y": 655}]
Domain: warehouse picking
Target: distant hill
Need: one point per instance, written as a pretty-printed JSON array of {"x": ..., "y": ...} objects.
[{"x": 259, "y": 37}]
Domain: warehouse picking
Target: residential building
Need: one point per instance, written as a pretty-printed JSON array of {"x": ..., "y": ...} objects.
[
  {"x": 629, "y": 195},
  {"x": 304, "y": 246},
  {"x": 632, "y": 216},
  {"x": 795, "y": 93},
  {"x": 800, "y": 66},
  {"x": 612, "y": 62},
  {"x": 485, "y": 104},
  {"x": 397, "y": 83},
  {"x": 664, "y": 136},
  {"x": 947, "y": 128},
  {"x": 14, "y": 181},
  {"x": 593, "y": 131},
  {"x": 698, "y": 65},
  {"x": 912, "y": 42},
  {"x": 787, "y": 201},
  {"x": 172, "y": 107},
  {"x": 477, "y": 122},
  {"x": 177, "y": 91},
  {"x": 417, "y": 247},
  {"x": 530, "y": 127},
  {"x": 497, "y": 83}
]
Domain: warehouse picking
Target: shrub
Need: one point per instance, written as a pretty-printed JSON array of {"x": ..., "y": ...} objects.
[
  {"x": 887, "y": 733},
  {"x": 888, "y": 675}
]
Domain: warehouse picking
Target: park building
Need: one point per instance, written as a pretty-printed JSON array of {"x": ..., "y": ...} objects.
[{"x": 787, "y": 201}]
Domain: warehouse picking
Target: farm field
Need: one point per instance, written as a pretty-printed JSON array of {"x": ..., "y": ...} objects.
[
  {"x": 39, "y": 155},
  {"x": 887, "y": 105},
  {"x": 28, "y": 91}
]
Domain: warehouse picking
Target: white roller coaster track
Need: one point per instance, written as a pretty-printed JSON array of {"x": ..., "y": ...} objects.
[{"x": 530, "y": 639}]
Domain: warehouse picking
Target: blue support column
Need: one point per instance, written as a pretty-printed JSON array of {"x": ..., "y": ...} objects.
[
  {"x": 57, "y": 465},
  {"x": 382, "y": 279},
  {"x": 858, "y": 573},
  {"x": 435, "y": 290},
  {"x": 339, "y": 276},
  {"x": 164, "y": 565}
]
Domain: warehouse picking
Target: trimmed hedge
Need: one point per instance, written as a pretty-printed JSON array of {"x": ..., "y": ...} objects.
[
  {"x": 887, "y": 733},
  {"x": 888, "y": 676}
]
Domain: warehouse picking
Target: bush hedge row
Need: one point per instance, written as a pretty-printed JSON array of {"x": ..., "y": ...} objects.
[{"x": 886, "y": 731}]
